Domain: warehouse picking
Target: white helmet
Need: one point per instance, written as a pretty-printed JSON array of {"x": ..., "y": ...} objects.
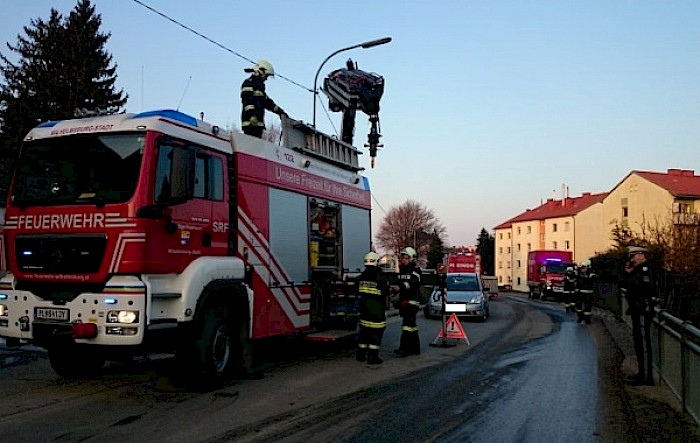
[
  {"x": 409, "y": 251},
  {"x": 262, "y": 67},
  {"x": 586, "y": 263},
  {"x": 371, "y": 259}
]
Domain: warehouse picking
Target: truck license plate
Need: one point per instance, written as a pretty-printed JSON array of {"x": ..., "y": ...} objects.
[{"x": 51, "y": 314}]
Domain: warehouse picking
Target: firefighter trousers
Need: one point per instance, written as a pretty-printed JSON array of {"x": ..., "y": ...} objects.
[
  {"x": 369, "y": 340},
  {"x": 410, "y": 340},
  {"x": 584, "y": 305}
]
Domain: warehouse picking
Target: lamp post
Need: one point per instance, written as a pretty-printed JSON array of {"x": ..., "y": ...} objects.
[{"x": 364, "y": 45}]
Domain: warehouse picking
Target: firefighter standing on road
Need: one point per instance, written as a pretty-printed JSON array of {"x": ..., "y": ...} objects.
[
  {"x": 569, "y": 289},
  {"x": 639, "y": 287},
  {"x": 373, "y": 291},
  {"x": 255, "y": 101},
  {"x": 408, "y": 302},
  {"x": 585, "y": 286}
]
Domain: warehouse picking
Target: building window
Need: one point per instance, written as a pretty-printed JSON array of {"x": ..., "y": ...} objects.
[
  {"x": 509, "y": 236},
  {"x": 554, "y": 245},
  {"x": 500, "y": 249},
  {"x": 566, "y": 226},
  {"x": 518, "y": 247},
  {"x": 529, "y": 229},
  {"x": 625, "y": 212},
  {"x": 500, "y": 265},
  {"x": 500, "y": 236},
  {"x": 554, "y": 227},
  {"x": 518, "y": 262},
  {"x": 529, "y": 247},
  {"x": 566, "y": 245},
  {"x": 508, "y": 250},
  {"x": 518, "y": 281},
  {"x": 508, "y": 264},
  {"x": 518, "y": 230}
]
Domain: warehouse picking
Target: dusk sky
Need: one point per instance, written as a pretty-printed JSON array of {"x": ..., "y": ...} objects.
[{"x": 490, "y": 107}]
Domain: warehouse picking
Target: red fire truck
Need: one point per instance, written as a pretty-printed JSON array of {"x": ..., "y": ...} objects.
[
  {"x": 545, "y": 272},
  {"x": 469, "y": 261},
  {"x": 134, "y": 232}
]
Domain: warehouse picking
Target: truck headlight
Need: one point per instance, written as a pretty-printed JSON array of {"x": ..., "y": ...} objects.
[
  {"x": 3, "y": 310},
  {"x": 122, "y": 317}
]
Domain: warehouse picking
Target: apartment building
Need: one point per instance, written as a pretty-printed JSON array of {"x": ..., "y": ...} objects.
[
  {"x": 641, "y": 202},
  {"x": 646, "y": 200},
  {"x": 570, "y": 224}
]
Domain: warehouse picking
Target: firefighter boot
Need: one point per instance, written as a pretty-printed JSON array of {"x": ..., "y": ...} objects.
[
  {"x": 373, "y": 357},
  {"x": 403, "y": 345},
  {"x": 361, "y": 354}
]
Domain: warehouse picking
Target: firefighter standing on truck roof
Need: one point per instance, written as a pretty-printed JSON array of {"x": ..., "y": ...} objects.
[
  {"x": 408, "y": 303},
  {"x": 373, "y": 290},
  {"x": 254, "y": 100}
]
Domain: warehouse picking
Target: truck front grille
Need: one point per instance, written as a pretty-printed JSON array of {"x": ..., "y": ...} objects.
[{"x": 51, "y": 254}]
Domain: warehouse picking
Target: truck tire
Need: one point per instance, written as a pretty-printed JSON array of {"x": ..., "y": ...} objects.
[
  {"x": 215, "y": 347},
  {"x": 70, "y": 360}
]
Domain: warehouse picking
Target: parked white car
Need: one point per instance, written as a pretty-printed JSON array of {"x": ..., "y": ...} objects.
[{"x": 466, "y": 296}]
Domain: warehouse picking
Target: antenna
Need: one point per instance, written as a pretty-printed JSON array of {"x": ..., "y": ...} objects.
[{"x": 184, "y": 92}]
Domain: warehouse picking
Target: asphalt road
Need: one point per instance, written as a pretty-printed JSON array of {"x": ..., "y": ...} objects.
[{"x": 530, "y": 374}]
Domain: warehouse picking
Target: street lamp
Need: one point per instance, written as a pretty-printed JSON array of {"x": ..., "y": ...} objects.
[{"x": 364, "y": 45}]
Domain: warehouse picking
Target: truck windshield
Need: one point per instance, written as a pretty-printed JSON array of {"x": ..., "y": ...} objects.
[
  {"x": 556, "y": 268},
  {"x": 81, "y": 169}
]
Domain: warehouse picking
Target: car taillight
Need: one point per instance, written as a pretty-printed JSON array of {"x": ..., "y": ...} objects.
[{"x": 84, "y": 330}]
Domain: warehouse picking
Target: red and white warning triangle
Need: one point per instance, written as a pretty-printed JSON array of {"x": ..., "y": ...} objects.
[{"x": 453, "y": 329}]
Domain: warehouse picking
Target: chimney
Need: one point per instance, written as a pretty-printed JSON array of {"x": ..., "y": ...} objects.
[
  {"x": 688, "y": 173},
  {"x": 586, "y": 194},
  {"x": 672, "y": 171}
]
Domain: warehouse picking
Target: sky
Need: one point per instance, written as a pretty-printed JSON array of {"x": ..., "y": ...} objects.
[{"x": 490, "y": 107}]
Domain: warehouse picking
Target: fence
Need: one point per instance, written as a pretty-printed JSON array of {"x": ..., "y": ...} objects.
[
  {"x": 675, "y": 351},
  {"x": 677, "y": 359}
]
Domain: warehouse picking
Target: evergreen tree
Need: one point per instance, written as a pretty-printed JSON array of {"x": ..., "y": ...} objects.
[
  {"x": 62, "y": 66},
  {"x": 435, "y": 255},
  {"x": 485, "y": 246}
]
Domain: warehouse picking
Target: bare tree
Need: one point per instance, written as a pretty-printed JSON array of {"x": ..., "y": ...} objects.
[{"x": 410, "y": 224}]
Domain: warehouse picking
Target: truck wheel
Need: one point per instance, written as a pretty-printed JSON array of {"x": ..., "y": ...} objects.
[
  {"x": 215, "y": 345},
  {"x": 70, "y": 360}
]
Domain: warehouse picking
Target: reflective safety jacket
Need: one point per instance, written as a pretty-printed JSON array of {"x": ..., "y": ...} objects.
[
  {"x": 373, "y": 290},
  {"x": 255, "y": 101},
  {"x": 586, "y": 280},
  {"x": 409, "y": 287}
]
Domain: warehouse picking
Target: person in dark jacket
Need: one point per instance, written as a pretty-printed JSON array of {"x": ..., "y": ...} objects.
[
  {"x": 569, "y": 289},
  {"x": 373, "y": 291},
  {"x": 639, "y": 287},
  {"x": 585, "y": 286},
  {"x": 408, "y": 303},
  {"x": 255, "y": 101}
]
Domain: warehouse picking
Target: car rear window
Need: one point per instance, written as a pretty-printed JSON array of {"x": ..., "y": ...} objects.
[{"x": 462, "y": 283}]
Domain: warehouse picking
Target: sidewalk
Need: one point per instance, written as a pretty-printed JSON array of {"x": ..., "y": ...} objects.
[{"x": 652, "y": 413}]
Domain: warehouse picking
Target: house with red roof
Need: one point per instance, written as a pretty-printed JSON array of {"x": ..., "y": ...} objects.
[
  {"x": 569, "y": 224},
  {"x": 641, "y": 202},
  {"x": 644, "y": 201}
]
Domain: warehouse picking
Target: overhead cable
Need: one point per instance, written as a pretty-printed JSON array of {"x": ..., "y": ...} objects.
[{"x": 215, "y": 42}]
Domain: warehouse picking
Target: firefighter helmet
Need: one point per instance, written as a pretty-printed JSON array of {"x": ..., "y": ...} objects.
[
  {"x": 371, "y": 259},
  {"x": 586, "y": 263},
  {"x": 263, "y": 67},
  {"x": 409, "y": 251}
]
